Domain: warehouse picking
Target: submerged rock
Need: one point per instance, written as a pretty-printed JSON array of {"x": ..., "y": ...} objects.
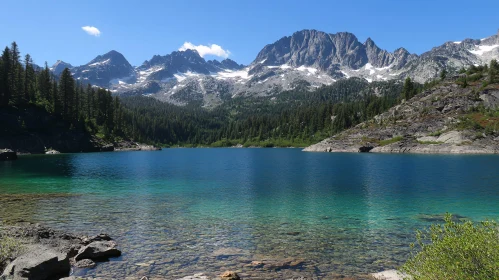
[
  {"x": 198, "y": 276},
  {"x": 439, "y": 217},
  {"x": 229, "y": 275},
  {"x": 85, "y": 263},
  {"x": 100, "y": 237}
]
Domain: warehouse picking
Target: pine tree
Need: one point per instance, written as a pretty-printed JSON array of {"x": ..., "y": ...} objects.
[
  {"x": 408, "y": 90},
  {"x": 29, "y": 79},
  {"x": 44, "y": 86},
  {"x": 90, "y": 101},
  {"x": 493, "y": 71},
  {"x": 15, "y": 76},
  {"x": 5, "y": 85},
  {"x": 56, "y": 100},
  {"x": 443, "y": 74},
  {"x": 67, "y": 93}
]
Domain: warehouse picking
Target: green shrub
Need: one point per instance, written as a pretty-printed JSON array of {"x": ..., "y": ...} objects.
[
  {"x": 390, "y": 141},
  {"x": 455, "y": 250},
  {"x": 10, "y": 248},
  {"x": 436, "y": 133}
]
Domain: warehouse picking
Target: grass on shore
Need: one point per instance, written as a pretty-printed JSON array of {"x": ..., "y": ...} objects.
[{"x": 390, "y": 141}]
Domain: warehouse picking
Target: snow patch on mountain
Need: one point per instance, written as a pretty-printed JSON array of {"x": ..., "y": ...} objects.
[
  {"x": 307, "y": 69},
  {"x": 230, "y": 74},
  {"x": 480, "y": 50},
  {"x": 100, "y": 63},
  {"x": 144, "y": 74},
  {"x": 122, "y": 81}
]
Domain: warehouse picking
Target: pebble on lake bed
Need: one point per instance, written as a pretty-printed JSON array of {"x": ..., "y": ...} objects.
[{"x": 229, "y": 275}]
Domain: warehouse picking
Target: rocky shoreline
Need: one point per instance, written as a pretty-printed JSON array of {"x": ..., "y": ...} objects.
[
  {"x": 48, "y": 254},
  {"x": 122, "y": 146},
  {"x": 447, "y": 119}
]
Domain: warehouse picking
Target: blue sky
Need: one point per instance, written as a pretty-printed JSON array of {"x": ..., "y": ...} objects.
[{"x": 51, "y": 30}]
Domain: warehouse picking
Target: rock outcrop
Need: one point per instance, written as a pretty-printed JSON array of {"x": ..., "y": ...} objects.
[
  {"x": 49, "y": 254},
  {"x": 134, "y": 146},
  {"x": 441, "y": 120},
  {"x": 7, "y": 154},
  {"x": 98, "y": 250}
]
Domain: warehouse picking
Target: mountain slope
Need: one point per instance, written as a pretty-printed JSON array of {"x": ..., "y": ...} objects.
[
  {"x": 105, "y": 70},
  {"x": 445, "y": 119}
]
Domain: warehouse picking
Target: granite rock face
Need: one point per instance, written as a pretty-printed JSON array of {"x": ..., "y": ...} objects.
[
  {"x": 430, "y": 122},
  {"x": 39, "y": 263}
]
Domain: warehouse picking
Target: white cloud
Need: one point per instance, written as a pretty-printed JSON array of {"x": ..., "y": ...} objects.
[
  {"x": 91, "y": 30},
  {"x": 203, "y": 50}
]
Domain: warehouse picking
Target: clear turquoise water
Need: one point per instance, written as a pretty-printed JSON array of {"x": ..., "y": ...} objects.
[{"x": 179, "y": 209}]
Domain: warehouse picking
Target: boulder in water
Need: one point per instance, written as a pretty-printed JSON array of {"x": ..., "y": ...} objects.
[{"x": 98, "y": 250}]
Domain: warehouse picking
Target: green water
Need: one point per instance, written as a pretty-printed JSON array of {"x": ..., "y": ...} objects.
[{"x": 185, "y": 211}]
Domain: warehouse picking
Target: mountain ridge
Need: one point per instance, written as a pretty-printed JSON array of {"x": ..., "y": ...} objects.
[{"x": 309, "y": 57}]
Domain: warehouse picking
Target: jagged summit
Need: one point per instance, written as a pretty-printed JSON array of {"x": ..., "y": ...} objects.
[
  {"x": 307, "y": 57},
  {"x": 59, "y": 66},
  {"x": 104, "y": 69}
]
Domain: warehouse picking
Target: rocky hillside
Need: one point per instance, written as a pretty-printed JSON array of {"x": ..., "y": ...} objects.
[{"x": 448, "y": 118}]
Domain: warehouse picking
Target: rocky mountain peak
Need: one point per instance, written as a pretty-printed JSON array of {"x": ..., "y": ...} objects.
[
  {"x": 401, "y": 51},
  {"x": 369, "y": 42},
  {"x": 231, "y": 64},
  {"x": 376, "y": 56},
  {"x": 59, "y": 66},
  {"x": 111, "y": 57},
  {"x": 103, "y": 69},
  {"x": 315, "y": 48}
]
